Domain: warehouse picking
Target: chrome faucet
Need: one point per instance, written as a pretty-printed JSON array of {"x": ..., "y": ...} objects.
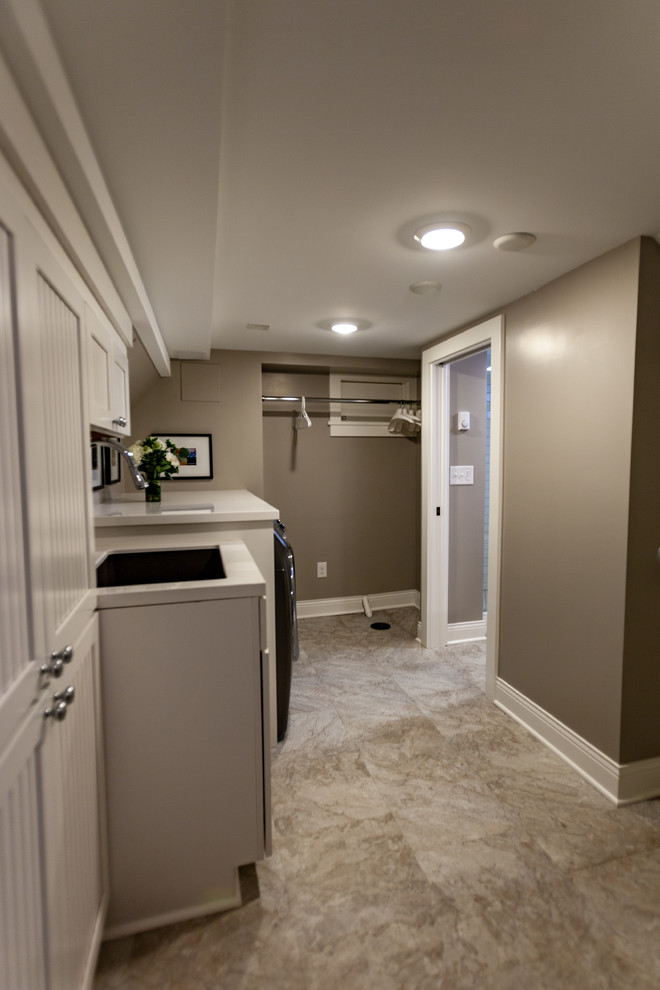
[{"x": 137, "y": 478}]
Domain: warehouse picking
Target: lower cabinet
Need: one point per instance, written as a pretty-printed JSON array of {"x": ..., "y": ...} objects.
[
  {"x": 22, "y": 959},
  {"x": 74, "y": 853},
  {"x": 51, "y": 851},
  {"x": 185, "y": 753}
]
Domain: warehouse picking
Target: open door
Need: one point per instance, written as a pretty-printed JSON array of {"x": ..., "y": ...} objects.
[{"x": 435, "y": 485}]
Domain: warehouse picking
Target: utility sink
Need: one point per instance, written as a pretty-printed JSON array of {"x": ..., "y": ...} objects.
[{"x": 119, "y": 568}]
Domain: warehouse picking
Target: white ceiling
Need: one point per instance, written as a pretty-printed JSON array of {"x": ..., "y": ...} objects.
[{"x": 267, "y": 158}]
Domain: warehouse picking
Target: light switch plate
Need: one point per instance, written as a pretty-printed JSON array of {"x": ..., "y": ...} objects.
[{"x": 461, "y": 474}]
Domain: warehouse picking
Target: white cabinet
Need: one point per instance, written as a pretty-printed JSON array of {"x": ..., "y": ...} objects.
[
  {"x": 18, "y": 676},
  {"x": 46, "y": 605},
  {"x": 22, "y": 960},
  {"x": 107, "y": 376},
  {"x": 184, "y": 744},
  {"x": 53, "y": 877},
  {"x": 70, "y": 760}
]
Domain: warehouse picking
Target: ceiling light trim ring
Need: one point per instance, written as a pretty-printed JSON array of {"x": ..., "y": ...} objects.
[
  {"x": 424, "y": 287},
  {"x": 442, "y": 235},
  {"x": 344, "y": 321}
]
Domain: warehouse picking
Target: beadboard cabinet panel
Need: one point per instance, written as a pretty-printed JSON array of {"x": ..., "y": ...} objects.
[
  {"x": 22, "y": 959},
  {"x": 70, "y": 761},
  {"x": 50, "y": 808},
  {"x": 17, "y": 683}
]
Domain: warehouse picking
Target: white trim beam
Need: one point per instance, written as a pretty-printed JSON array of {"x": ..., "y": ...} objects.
[{"x": 40, "y": 119}]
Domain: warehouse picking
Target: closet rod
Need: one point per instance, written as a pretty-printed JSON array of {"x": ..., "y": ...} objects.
[{"x": 326, "y": 398}]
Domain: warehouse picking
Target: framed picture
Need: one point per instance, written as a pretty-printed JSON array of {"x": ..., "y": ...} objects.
[
  {"x": 111, "y": 466},
  {"x": 97, "y": 468},
  {"x": 194, "y": 453}
]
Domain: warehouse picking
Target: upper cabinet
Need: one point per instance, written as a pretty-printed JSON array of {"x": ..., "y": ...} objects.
[{"x": 107, "y": 376}]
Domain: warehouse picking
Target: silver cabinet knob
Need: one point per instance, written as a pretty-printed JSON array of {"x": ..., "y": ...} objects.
[
  {"x": 58, "y": 711},
  {"x": 57, "y": 660},
  {"x": 65, "y": 654},
  {"x": 67, "y": 695},
  {"x": 119, "y": 421}
]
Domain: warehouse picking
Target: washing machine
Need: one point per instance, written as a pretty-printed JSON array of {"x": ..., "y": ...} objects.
[{"x": 286, "y": 623}]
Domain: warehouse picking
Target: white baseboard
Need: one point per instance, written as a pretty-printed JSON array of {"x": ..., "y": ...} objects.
[
  {"x": 345, "y": 606},
  {"x": 467, "y": 632},
  {"x": 621, "y": 783},
  {"x": 639, "y": 781}
]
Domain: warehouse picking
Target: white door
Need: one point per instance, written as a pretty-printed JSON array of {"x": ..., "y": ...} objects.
[
  {"x": 467, "y": 436},
  {"x": 435, "y": 485}
]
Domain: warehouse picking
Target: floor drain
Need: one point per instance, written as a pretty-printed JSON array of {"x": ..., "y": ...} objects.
[{"x": 380, "y": 625}]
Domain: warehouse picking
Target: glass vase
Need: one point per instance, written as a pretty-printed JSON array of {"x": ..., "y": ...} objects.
[{"x": 152, "y": 491}]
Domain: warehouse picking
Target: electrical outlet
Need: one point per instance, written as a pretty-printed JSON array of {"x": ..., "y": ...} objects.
[{"x": 322, "y": 568}]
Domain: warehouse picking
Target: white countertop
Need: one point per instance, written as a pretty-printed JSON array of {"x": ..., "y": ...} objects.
[
  {"x": 243, "y": 579},
  {"x": 235, "y": 505}
]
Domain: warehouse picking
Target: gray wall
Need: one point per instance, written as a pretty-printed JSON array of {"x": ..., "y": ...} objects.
[
  {"x": 569, "y": 385},
  {"x": 233, "y": 418},
  {"x": 467, "y": 391},
  {"x": 353, "y": 502}
]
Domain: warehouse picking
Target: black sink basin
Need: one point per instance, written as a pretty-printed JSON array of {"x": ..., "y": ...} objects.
[{"x": 120, "y": 568}]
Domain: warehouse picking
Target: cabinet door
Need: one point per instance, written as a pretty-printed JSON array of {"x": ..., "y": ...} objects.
[
  {"x": 46, "y": 529},
  {"x": 71, "y": 768},
  {"x": 18, "y": 675},
  {"x": 107, "y": 376},
  {"x": 56, "y": 446},
  {"x": 99, "y": 360},
  {"x": 119, "y": 394},
  {"x": 22, "y": 963},
  {"x": 183, "y": 741}
]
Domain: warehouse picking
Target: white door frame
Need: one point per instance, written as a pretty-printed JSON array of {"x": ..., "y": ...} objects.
[{"x": 435, "y": 485}]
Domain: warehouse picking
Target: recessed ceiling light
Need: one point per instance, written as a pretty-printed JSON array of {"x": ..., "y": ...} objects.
[
  {"x": 344, "y": 326},
  {"x": 514, "y": 242},
  {"x": 442, "y": 235}
]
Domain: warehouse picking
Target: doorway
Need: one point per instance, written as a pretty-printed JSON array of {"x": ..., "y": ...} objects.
[
  {"x": 467, "y": 502},
  {"x": 436, "y": 361}
]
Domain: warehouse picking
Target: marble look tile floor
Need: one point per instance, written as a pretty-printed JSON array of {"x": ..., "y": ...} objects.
[{"x": 422, "y": 840}]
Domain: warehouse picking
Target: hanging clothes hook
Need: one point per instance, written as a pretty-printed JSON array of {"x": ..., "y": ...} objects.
[
  {"x": 405, "y": 420},
  {"x": 302, "y": 419}
]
